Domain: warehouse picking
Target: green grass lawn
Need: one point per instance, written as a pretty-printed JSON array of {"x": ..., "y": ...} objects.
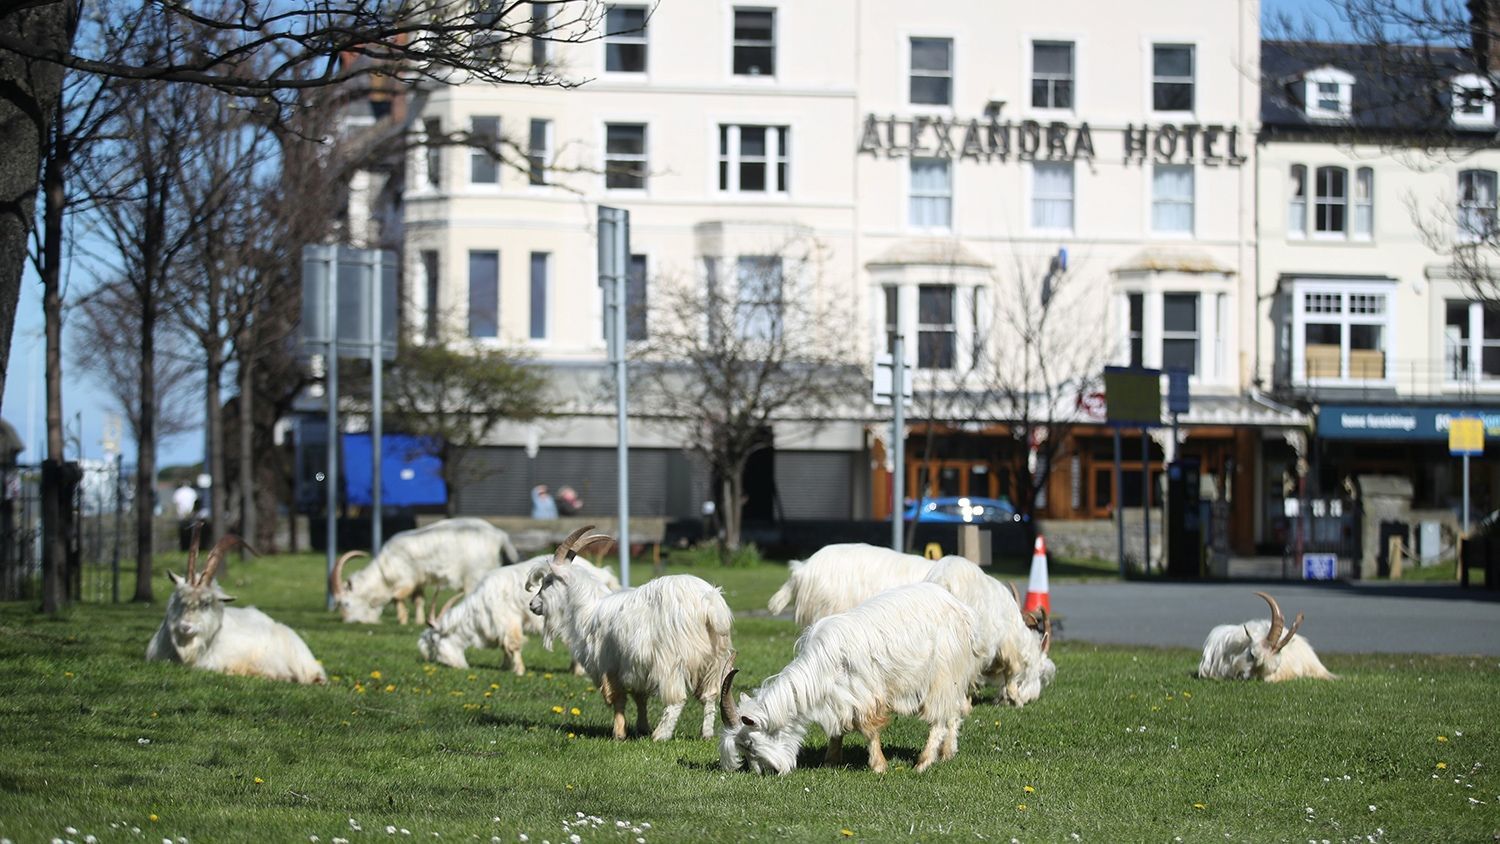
[{"x": 1125, "y": 746}]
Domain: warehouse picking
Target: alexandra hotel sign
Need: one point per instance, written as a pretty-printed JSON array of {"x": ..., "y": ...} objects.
[{"x": 993, "y": 139}]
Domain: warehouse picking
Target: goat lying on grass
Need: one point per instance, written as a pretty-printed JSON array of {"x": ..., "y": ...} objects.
[
  {"x": 1258, "y": 649},
  {"x": 199, "y": 631}
]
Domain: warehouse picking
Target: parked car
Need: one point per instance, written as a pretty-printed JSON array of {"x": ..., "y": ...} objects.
[{"x": 962, "y": 510}]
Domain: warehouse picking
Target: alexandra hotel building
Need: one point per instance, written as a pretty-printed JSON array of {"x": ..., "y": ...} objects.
[{"x": 941, "y": 158}]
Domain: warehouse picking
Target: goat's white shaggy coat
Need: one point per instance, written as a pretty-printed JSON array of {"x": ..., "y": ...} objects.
[
  {"x": 669, "y": 638},
  {"x": 200, "y": 632},
  {"x": 838, "y": 578},
  {"x": 1259, "y": 649},
  {"x": 1015, "y": 659},
  {"x": 496, "y": 614},
  {"x": 852, "y": 671},
  {"x": 449, "y": 554}
]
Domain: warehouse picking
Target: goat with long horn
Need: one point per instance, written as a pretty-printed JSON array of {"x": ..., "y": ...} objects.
[
  {"x": 450, "y": 554},
  {"x": 1261, "y": 649}
]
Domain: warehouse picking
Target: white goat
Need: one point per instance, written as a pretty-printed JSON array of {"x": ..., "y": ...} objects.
[
  {"x": 839, "y": 578},
  {"x": 450, "y": 554},
  {"x": 1258, "y": 649},
  {"x": 852, "y": 671},
  {"x": 199, "y": 631},
  {"x": 494, "y": 615},
  {"x": 667, "y": 638},
  {"x": 1016, "y": 656}
]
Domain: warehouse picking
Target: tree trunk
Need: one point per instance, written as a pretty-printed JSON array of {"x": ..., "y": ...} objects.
[
  {"x": 29, "y": 94},
  {"x": 248, "y": 514},
  {"x": 56, "y": 514},
  {"x": 145, "y": 472},
  {"x": 734, "y": 484},
  {"x": 214, "y": 414}
]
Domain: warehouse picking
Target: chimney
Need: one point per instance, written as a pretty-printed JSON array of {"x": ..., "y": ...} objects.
[{"x": 1484, "y": 32}]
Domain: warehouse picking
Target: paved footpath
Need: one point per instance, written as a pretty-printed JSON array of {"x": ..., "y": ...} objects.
[{"x": 1340, "y": 618}]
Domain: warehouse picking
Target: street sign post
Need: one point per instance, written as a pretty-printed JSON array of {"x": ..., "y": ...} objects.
[
  {"x": 1132, "y": 397},
  {"x": 1466, "y": 439},
  {"x": 614, "y": 272},
  {"x": 1320, "y": 566}
]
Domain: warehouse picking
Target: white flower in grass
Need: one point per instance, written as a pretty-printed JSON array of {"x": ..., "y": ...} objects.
[
  {"x": 390, "y": 830},
  {"x": 523, "y": 837},
  {"x": 144, "y": 740},
  {"x": 354, "y": 825},
  {"x": 89, "y": 839},
  {"x": 70, "y": 830},
  {"x": 645, "y": 826},
  {"x": 340, "y": 841},
  {"x": 1372, "y": 807},
  {"x": 574, "y": 838}
]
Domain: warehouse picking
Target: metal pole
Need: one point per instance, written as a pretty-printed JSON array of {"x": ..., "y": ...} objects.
[
  {"x": 622, "y": 271},
  {"x": 1466, "y": 493},
  {"x": 119, "y": 514},
  {"x": 377, "y": 361},
  {"x": 332, "y": 476},
  {"x": 898, "y": 441},
  {"x": 1146, "y": 495},
  {"x": 1119, "y": 504}
]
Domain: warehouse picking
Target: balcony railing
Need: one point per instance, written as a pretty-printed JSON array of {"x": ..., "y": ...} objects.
[{"x": 1374, "y": 375}]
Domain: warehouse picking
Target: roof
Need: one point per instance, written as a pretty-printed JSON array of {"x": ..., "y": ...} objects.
[
  {"x": 934, "y": 253},
  {"x": 1155, "y": 259},
  {"x": 1398, "y": 89}
]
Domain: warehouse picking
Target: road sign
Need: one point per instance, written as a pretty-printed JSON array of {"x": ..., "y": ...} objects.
[
  {"x": 1132, "y": 396},
  {"x": 1178, "y": 400},
  {"x": 1320, "y": 566},
  {"x": 883, "y": 379},
  {"x": 1466, "y": 436}
]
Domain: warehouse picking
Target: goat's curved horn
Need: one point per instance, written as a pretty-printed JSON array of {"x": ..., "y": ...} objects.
[
  {"x": 447, "y": 606},
  {"x": 1277, "y": 621},
  {"x": 1046, "y": 626},
  {"x": 192, "y": 562},
  {"x": 1287, "y": 639},
  {"x": 1014, "y": 592},
  {"x": 598, "y": 540},
  {"x": 216, "y": 556},
  {"x": 727, "y": 710},
  {"x": 336, "y": 580},
  {"x": 565, "y": 552}
]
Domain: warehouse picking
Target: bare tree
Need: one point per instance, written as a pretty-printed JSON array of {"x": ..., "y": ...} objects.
[
  {"x": 758, "y": 344},
  {"x": 263, "y": 50}
]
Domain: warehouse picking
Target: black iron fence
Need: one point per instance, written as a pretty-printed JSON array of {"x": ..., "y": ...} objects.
[
  {"x": 98, "y": 531},
  {"x": 1325, "y": 526}
]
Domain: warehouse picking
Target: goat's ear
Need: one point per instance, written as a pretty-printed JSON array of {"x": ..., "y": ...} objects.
[
  {"x": 228, "y": 599},
  {"x": 174, "y": 577}
]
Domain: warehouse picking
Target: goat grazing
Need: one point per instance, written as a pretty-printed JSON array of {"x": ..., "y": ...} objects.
[
  {"x": 495, "y": 614},
  {"x": 837, "y": 578},
  {"x": 199, "y": 631},
  {"x": 450, "y": 554},
  {"x": 912, "y": 650},
  {"x": 1259, "y": 649},
  {"x": 1016, "y": 656},
  {"x": 668, "y": 637}
]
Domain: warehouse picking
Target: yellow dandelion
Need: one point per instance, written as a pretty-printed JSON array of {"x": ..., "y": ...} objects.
[
  {"x": 259, "y": 781},
  {"x": 1442, "y": 765},
  {"x": 473, "y": 677},
  {"x": 152, "y": 817},
  {"x": 343, "y": 723},
  {"x": 575, "y": 711},
  {"x": 456, "y": 693},
  {"x": 557, "y": 710},
  {"x": 374, "y": 675},
  {"x": 1443, "y": 739},
  {"x": 572, "y": 735},
  {"x": 1020, "y": 807},
  {"x": 153, "y": 715},
  {"x": 1187, "y": 694},
  {"x": 390, "y": 687},
  {"x": 1029, "y": 790},
  {"x": 68, "y": 674},
  {"x": 546, "y": 676},
  {"x": 359, "y": 688},
  {"x": 494, "y": 685},
  {"x": 847, "y": 833},
  {"x": 1200, "y": 806},
  {"x": 1156, "y": 709},
  {"x": 997, "y": 723},
  {"x": 489, "y": 694},
  {"x": 570, "y": 786}
]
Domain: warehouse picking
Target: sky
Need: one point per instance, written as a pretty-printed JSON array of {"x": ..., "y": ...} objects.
[{"x": 86, "y": 403}]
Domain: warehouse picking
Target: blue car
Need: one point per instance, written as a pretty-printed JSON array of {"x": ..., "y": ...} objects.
[{"x": 955, "y": 509}]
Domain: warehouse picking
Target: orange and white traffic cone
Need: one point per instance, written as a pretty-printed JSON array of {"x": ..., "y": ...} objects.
[{"x": 1036, "y": 587}]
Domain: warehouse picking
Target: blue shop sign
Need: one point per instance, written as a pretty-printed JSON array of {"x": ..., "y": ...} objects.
[{"x": 1367, "y": 422}]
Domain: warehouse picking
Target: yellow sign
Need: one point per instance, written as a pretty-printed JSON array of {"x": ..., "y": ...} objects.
[
  {"x": 1466, "y": 436},
  {"x": 934, "y": 551}
]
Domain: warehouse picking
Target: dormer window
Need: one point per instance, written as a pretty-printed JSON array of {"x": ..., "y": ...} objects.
[
  {"x": 1329, "y": 94},
  {"x": 1473, "y": 99}
]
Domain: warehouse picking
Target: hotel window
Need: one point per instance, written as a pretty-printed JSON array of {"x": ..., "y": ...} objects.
[
  {"x": 484, "y": 132},
  {"x": 540, "y": 262},
  {"x": 625, "y": 155},
  {"x": 754, "y": 42},
  {"x": 1343, "y": 335},
  {"x": 541, "y": 26},
  {"x": 1473, "y": 100},
  {"x": 1331, "y": 206},
  {"x": 754, "y": 159},
  {"x": 1137, "y": 305},
  {"x": 1052, "y": 74},
  {"x": 1179, "y": 332},
  {"x": 891, "y": 293},
  {"x": 932, "y": 71},
  {"x": 931, "y": 193},
  {"x": 1328, "y": 94},
  {"x": 937, "y": 334},
  {"x": 432, "y": 131},
  {"x": 1296, "y": 206},
  {"x": 1476, "y": 204},
  {"x": 625, "y": 39},
  {"x": 484, "y": 294},
  {"x": 758, "y": 308},
  {"x": 1052, "y": 195},
  {"x": 430, "y": 298},
  {"x": 1471, "y": 337},
  {"x": 1172, "y": 199},
  {"x": 1364, "y": 203},
  {"x": 1172, "y": 77},
  {"x": 635, "y": 299},
  {"x": 538, "y": 150}
]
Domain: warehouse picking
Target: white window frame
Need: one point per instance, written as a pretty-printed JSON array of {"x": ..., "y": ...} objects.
[
  {"x": 549, "y": 295},
  {"x": 1465, "y": 233},
  {"x": 950, "y": 328},
  {"x": 1197, "y": 335},
  {"x": 606, "y": 157},
  {"x": 1472, "y": 349},
  {"x": 1032, "y": 197},
  {"x": 1213, "y": 335},
  {"x": 1343, "y": 83},
  {"x": 1297, "y": 206},
  {"x": 912, "y": 193},
  {"x": 1319, "y": 200},
  {"x": 642, "y": 38},
  {"x": 776, "y": 27},
  {"x": 730, "y": 156},
  {"x": 1482, "y": 119},
  {"x": 477, "y": 155},
  {"x": 1031, "y": 73},
  {"x": 469, "y": 295},
  {"x": 1345, "y": 290},
  {"x": 1191, "y": 202},
  {"x": 546, "y": 153},
  {"x": 1152, "y": 78},
  {"x": 951, "y": 74},
  {"x": 1366, "y": 204},
  {"x": 775, "y": 309}
]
